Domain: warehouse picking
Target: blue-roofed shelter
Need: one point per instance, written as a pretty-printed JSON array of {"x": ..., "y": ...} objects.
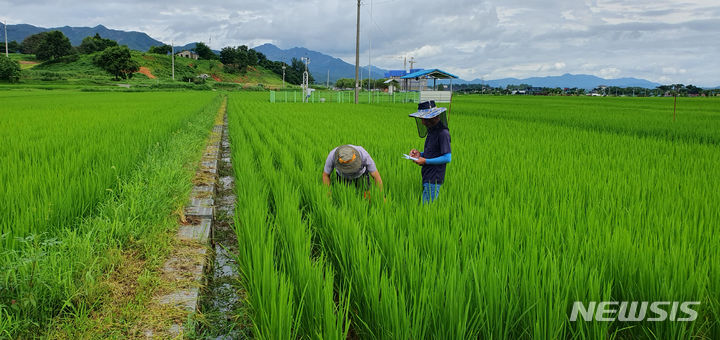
[
  {"x": 395, "y": 74},
  {"x": 434, "y": 74}
]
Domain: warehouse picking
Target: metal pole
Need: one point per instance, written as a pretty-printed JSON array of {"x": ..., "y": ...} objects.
[
  {"x": 675, "y": 103},
  {"x": 370, "y": 55},
  {"x": 172, "y": 52},
  {"x": 283, "y": 76},
  {"x": 368, "y": 79},
  {"x": 306, "y": 80},
  {"x": 357, "y": 53}
]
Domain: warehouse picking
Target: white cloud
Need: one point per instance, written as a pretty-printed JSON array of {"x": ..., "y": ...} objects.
[
  {"x": 609, "y": 72},
  {"x": 673, "y": 70},
  {"x": 476, "y": 38}
]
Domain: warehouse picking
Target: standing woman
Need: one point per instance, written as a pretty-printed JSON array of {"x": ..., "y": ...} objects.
[{"x": 431, "y": 123}]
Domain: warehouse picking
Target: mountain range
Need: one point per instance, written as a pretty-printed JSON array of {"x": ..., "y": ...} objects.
[
  {"x": 321, "y": 65},
  {"x": 583, "y": 81},
  {"x": 134, "y": 40}
]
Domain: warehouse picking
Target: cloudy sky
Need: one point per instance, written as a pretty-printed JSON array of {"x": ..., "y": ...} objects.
[{"x": 659, "y": 40}]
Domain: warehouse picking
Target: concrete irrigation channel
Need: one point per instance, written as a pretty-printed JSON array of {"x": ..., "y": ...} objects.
[
  {"x": 201, "y": 268},
  {"x": 222, "y": 302}
]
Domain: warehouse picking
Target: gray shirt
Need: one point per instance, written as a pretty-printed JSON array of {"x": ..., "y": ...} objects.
[{"x": 368, "y": 164}]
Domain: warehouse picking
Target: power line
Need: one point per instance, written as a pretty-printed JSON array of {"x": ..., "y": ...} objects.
[{"x": 357, "y": 53}]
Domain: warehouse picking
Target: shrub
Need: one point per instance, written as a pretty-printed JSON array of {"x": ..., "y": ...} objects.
[{"x": 9, "y": 69}]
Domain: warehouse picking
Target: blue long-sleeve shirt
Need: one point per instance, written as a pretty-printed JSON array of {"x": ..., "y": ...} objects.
[{"x": 444, "y": 159}]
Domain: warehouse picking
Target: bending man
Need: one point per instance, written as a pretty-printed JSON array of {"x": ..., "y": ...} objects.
[{"x": 352, "y": 164}]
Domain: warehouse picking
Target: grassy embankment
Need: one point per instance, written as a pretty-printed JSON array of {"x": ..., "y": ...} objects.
[{"x": 156, "y": 72}]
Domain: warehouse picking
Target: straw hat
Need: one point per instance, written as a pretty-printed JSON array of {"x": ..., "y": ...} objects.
[{"x": 427, "y": 110}]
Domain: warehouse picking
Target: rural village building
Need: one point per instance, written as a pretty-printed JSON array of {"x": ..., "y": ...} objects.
[
  {"x": 188, "y": 54},
  {"x": 407, "y": 84}
]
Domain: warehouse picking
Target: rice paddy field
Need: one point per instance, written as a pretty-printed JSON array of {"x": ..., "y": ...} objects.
[
  {"x": 82, "y": 175},
  {"x": 547, "y": 201}
]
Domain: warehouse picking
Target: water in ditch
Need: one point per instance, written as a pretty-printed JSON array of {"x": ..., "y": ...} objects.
[{"x": 222, "y": 304}]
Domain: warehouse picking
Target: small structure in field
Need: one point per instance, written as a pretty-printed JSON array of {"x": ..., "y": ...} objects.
[
  {"x": 434, "y": 74},
  {"x": 188, "y": 54},
  {"x": 407, "y": 84}
]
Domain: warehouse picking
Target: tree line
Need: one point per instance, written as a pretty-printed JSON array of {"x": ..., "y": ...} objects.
[
  {"x": 239, "y": 59},
  {"x": 662, "y": 90},
  {"x": 54, "y": 46}
]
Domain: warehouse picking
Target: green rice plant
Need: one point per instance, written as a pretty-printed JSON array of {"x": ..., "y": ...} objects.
[
  {"x": 276, "y": 255},
  {"x": 558, "y": 201},
  {"x": 53, "y": 271},
  {"x": 696, "y": 117},
  {"x": 64, "y": 152}
]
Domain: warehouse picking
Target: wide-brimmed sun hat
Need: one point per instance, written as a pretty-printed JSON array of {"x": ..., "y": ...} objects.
[
  {"x": 348, "y": 161},
  {"x": 427, "y": 110}
]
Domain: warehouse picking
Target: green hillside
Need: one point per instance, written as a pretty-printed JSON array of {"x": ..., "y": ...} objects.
[{"x": 155, "y": 70}]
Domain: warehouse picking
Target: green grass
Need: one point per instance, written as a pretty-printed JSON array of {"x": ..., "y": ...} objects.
[
  {"x": 80, "y": 71},
  {"x": 87, "y": 174},
  {"x": 27, "y": 61},
  {"x": 547, "y": 201},
  {"x": 697, "y": 119}
]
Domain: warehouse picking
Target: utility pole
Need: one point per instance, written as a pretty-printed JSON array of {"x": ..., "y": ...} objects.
[
  {"x": 328, "y": 80},
  {"x": 357, "y": 54},
  {"x": 412, "y": 64},
  {"x": 370, "y": 55},
  {"x": 283, "y": 67},
  {"x": 172, "y": 52}
]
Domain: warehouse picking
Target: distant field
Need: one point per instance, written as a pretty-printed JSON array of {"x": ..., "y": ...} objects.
[
  {"x": 547, "y": 201},
  {"x": 697, "y": 119}
]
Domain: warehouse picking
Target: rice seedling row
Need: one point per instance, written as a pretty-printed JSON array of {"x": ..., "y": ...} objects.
[
  {"x": 63, "y": 152},
  {"x": 103, "y": 171},
  {"x": 532, "y": 217}
]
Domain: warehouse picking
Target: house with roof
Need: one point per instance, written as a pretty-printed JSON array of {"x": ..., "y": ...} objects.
[
  {"x": 432, "y": 93},
  {"x": 188, "y": 54},
  {"x": 407, "y": 84}
]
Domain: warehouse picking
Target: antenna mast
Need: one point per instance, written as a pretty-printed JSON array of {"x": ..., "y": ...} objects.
[{"x": 306, "y": 80}]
